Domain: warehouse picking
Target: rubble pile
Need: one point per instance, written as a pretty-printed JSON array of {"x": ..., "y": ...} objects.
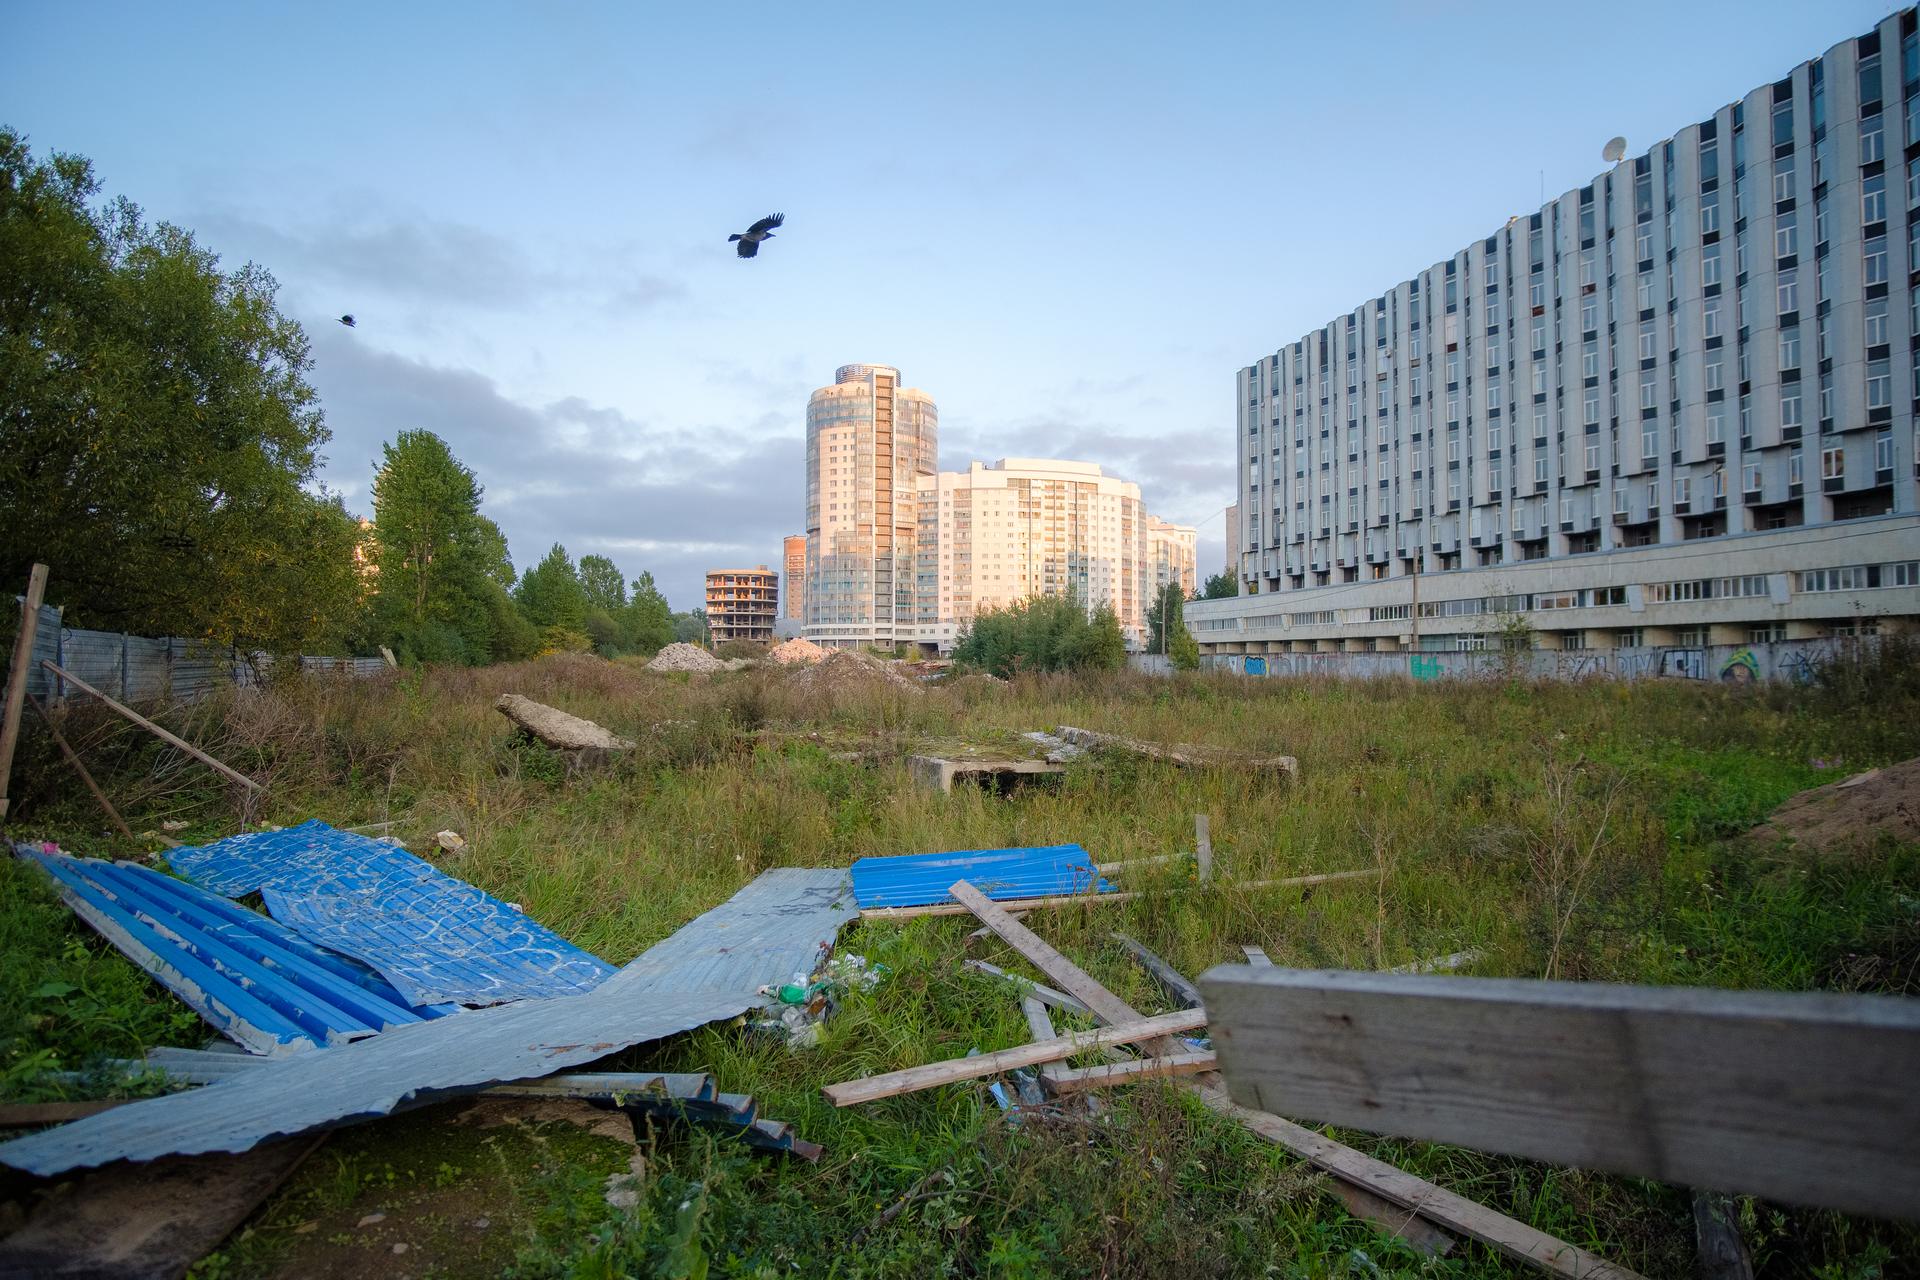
[{"x": 685, "y": 657}]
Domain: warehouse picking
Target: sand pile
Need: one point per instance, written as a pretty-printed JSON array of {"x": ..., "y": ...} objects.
[
  {"x": 685, "y": 657},
  {"x": 1851, "y": 816},
  {"x": 843, "y": 670},
  {"x": 797, "y": 651}
]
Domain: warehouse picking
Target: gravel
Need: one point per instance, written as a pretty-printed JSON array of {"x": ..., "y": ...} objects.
[{"x": 685, "y": 657}]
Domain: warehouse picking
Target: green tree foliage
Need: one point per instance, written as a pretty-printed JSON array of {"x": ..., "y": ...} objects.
[
  {"x": 1184, "y": 650},
  {"x": 1165, "y": 616},
  {"x": 1043, "y": 633},
  {"x": 158, "y": 435},
  {"x": 443, "y": 567},
  {"x": 649, "y": 622},
  {"x": 550, "y": 593},
  {"x": 1221, "y": 586},
  {"x": 690, "y": 628},
  {"x": 606, "y": 589}
]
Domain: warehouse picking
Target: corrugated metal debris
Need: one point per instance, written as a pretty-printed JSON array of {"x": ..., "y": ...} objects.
[
  {"x": 922, "y": 879},
  {"x": 707, "y": 971},
  {"x": 252, "y": 979},
  {"x": 436, "y": 939}
]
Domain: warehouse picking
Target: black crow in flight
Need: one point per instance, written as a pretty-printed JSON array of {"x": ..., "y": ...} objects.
[
  {"x": 761, "y": 230},
  {"x": 347, "y": 321}
]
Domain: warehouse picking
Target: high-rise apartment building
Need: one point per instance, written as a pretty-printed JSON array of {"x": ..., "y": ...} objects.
[
  {"x": 999, "y": 533},
  {"x": 1673, "y": 406},
  {"x": 1233, "y": 539},
  {"x": 1172, "y": 556},
  {"x": 794, "y": 556},
  {"x": 742, "y": 603},
  {"x": 869, "y": 441}
]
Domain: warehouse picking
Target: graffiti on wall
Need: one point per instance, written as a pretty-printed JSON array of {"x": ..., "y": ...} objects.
[{"x": 1795, "y": 661}]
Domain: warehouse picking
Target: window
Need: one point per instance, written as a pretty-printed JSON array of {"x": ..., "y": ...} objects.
[
  {"x": 1649, "y": 442},
  {"x": 1786, "y": 235},
  {"x": 1493, "y": 435},
  {"x": 1783, "y": 174},
  {"x": 1876, "y": 317},
  {"x": 1593, "y": 457},
  {"x": 1709, "y": 217},
  {"x": 1716, "y": 375},
  {"x": 1647, "y": 340},
  {"x": 1767, "y": 633},
  {"x": 1589, "y": 314},
  {"x": 1789, "y": 291},
  {"x": 1872, "y": 140},
  {"x": 1832, "y": 464},
  {"x": 1619, "y": 499},
  {"x": 1539, "y": 468},
  {"x": 1710, "y": 267},
  {"x": 1796, "y": 467},
  {"x": 1716, "y": 424},
  {"x": 1790, "y": 409},
  {"x": 1790, "y": 347},
  {"x": 1876, "y": 261},
  {"x": 1883, "y": 451},
  {"x": 1873, "y": 199},
  {"x": 1750, "y": 478},
  {"x": 1590, "y": 358},
  {"x": 1644, "y": 292},
  {"x": 1590, "y": 406},
  {"x": 1879, "y": 385},
  {"x": 1682, "y": 491},
  {"x": 1710, "y": 317},
  {"x": 1519, "y": 516}
]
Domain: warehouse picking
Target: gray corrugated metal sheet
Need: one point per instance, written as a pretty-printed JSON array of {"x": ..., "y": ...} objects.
[
  {"x": 437, "y": 939},
  {"x": 250, "y": 978},
  {"x": 775, "y": 925},
  {"x": 921, "y": 879}
]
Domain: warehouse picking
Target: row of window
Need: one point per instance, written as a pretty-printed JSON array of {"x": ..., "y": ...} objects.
[{"x": 1859, "y": 577}]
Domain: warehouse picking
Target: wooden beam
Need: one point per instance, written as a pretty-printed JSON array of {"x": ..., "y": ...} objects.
[
  {"x": 1058, "y": 999},
  {"x": 17, "y": 670},
  {"x": 1039, "y": 1023},
  {"x": 1805, "y": 1097},
  {"x": 153, "y": 728},
  {"x": 1078, "y": 1079},
  {"x": 1178, "y": 989},
  {"x": 1378, "y": 1180},
  {"x": 912, "y": 1079},
  {"x": 1134, "y": 864},
  {"x": 1108, "y": 1007},
  {"x": 32, "y": 1115},
  {"x": 1097, "y": 899},
  {"x": 1255, "y": 955},
  {"x": 1203, "y": 846},
  {"x": 60, "y": 741}
]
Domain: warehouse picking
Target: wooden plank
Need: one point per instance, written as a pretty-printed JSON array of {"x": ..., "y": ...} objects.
[
  {"x": 1109, "y": 1007},
  {"x": 153, "y": 728},
  {"x": 1203, "y": 846},
  {"x": 60, "y": 741},
  {"x": 32, "y": 1115},
  {"x": 17, "y": 668},
  {"x": 1098, "y": 899},
  {"x": 1178, "y": 989},
  {"x": 1396, "y": 1186},
  {"x": 1058, "y": 999},
  {"x": 1719, "y": 1252},
  {"x": 1256, "y": 955},
  {"x": 1799, "y": 1096},
  {"x": 1134, "y": 864},
  {"x": 1039, "y": 1024},
  {"x": 891, "y": 1083},
  {"x": 1106, "y": 1075}
]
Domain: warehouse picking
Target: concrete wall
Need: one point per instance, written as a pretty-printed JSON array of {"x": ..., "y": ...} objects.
[{"x": 1788, "y": 660}]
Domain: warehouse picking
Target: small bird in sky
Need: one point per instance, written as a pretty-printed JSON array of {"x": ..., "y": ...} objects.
[
  {"x": 761, "y": 230},
  {"x": 347, "y": 320}
]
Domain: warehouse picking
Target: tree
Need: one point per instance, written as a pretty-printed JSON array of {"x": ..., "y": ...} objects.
[
  {"x": 1165, "y": 617},
  {"x": 1184, "y": 650},
  {"x": 690, "y": 628},
  {"x": 158, "y": 436},
  {"x": 442, "y": 567},
  {"x": 1221, "y": 586},
  {"x": 650, "y": 625},
  {"x": 550, "y": 593},
  {"x": 606, "y": 590},
  {"x": 1043, "y": 633}
]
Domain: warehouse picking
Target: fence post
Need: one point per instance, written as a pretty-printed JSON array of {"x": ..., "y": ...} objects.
[
  {"x": 125, "y": 693},
  {"x": 16, "y": 696}
]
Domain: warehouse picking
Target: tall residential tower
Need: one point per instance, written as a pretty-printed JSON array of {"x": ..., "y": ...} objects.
[{"x": 869, "y": 440}]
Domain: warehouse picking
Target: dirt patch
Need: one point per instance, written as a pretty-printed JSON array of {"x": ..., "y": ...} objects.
[
  {"x": 798, "y": 651},
  {"x": 844, "y": 671},
  {"x": 1851, "y": 816}
]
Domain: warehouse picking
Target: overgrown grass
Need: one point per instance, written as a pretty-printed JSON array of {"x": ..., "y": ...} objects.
[{"x": 1585, "y": 831}]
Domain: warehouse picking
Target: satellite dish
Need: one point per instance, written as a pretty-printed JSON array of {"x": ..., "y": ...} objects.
[{"x": 1614, "y": 150}]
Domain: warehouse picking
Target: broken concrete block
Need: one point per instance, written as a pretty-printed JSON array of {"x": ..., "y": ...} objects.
[
  {"x": 556, "y": 728},
  {"x": 997, "y": 775}
]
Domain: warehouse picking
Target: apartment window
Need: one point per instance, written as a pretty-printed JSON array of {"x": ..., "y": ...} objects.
[
  {"x": 1873, "y": 199},
  {"x": 1883, "y": 451},
  {"x": 1593, "y": 457},
  {"x": 1539, "y": 468},
  {"x": 1619, "y": 499},
  {"x": 1649, "y": 442},
  {"x": 1876, "y": 322},
  {"x": 1590, "y": 406},
  {"x": 1790, "y": 347},
  {"x": 1766, "y": 633},
  {"x": 1872, "y": 140},
  {"x": 1796, "y": 467},
  {"x": 1716, "y": 425},
  {"x": 1710, "y": 266},
  {"x": 1453, "y": 486},
  {"x": 1750, "y": 478},
  {"x": 1453, "y": 446},
  {"x": 1710, "y": 317},
  {"x": 1493, "y": 435},
  {"x": 1783, "y": 178},
  {"x": 1566, "y": 508},
  {"x": 1716, "y": 375},
  {"x": 1682, "y": 491},
  {"x": 1653, "y": 496},
  {"x": 1647, "y": 340},
  {"x": 1586, "y": 267},
  {"x": 1786, "y": 234},
  {"x": 1644, "y": 291},
  {"x": 1879, "y": 385},
  {"x": 1876, "y": 261},
  {"x": 1832, "y": 464},
  {"x": 1789, "y": 291},
  {"x": 1649, "y": 390}
]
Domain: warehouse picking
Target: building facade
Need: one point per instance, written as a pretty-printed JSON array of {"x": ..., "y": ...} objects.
[
  {"x": 1674, "y": 405},
  {"x": 1233, "y": 540},
  {"x": 1173, "y": 557},
  {"x": 794, "y": 563},
  {"x": 998, "y": 533},
  {"x": 742, "y": 604},
  {"x": 869, "y": 443}
]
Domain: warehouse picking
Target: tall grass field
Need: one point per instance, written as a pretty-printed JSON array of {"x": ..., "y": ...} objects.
[{"x": 1583, "y": 832}]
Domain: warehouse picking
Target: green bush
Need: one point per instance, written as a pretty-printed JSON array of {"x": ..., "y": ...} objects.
[{"x": 1044, "y": 633}]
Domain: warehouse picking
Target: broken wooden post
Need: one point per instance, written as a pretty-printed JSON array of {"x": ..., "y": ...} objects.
[
  {"x": 1203, "y": 847},
  {"x": 60, "y": 741},
  {"x": 1178, "y": 989},
  {"x": 1799, "y": 1096},
  {"x": 154, "y": 729},
  {"x": 17, "y": 672},
  {"x": 1721, "y": 1253}
]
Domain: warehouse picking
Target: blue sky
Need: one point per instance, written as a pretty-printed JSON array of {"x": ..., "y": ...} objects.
[{"x": 1071, "y": 223}]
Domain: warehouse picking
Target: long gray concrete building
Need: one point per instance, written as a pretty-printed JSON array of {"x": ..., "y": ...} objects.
[{"x": 1675, "y": 406}]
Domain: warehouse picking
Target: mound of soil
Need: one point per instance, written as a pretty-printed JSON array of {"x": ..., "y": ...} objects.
[
  {"x": 685, "y": 657},
  {"x": 844, "y": 670},
  {"x": 1850, "y": 816},
  {"x": 797, "y": 651}
]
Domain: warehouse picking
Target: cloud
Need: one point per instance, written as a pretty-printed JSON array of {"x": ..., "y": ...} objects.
[
  {"x": 446, "y": 263},
  {"x": 674, "y": 499}
]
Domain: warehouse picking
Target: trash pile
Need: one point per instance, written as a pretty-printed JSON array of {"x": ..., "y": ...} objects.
[
  {"x": 685, "y": 657},
  {"x": 796, "y": 652},
  {"x": 845, "y": 671},
  {"x": 807, "y": 1000}
]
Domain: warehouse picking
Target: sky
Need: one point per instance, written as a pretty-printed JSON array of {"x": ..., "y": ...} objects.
[{"x": 1071, "y": 223}]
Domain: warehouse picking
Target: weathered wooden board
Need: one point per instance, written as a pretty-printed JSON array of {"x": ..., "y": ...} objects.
[
  {"x": 1804, "y": 1097},
  {"x": 1108, "y": 1074},
  {"x": 849, "y": 1092}
]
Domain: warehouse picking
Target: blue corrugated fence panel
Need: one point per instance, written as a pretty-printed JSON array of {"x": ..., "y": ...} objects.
[
  {"x": 437, "y": 939},
  {"x": 922, "y": 879}
]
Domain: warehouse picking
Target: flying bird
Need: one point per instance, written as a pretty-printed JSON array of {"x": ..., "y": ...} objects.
[
  {"x": 347, "y": 321},
  {"x": 761, "y": 230}
]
